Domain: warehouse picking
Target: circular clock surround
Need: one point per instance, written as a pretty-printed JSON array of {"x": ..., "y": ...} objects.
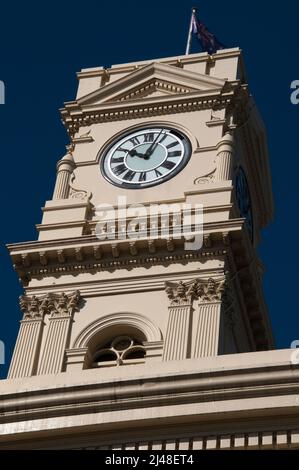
[
  {"x": 244, "y": 200},
  {"x": 145, "y": 157}
]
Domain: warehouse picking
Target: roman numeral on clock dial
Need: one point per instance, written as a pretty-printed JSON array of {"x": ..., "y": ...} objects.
[
  {"x": 117, "y": 159},
  {"x": 149, "y": 137},
  {"x": 119, "y": 169},
  {"x": 142, "y": 176},
  {"x": 176, "y": 153},
  {"x": 129, "y": 175},
  {"x": 172, "y": 144},
  {"x": 168, "y": 165},
  {"x": 134, "y": 140}
]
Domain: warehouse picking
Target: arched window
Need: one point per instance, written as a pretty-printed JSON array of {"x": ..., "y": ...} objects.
[
  {"x": 117, "y": 339},
  {"x": 121, "y": 350}
]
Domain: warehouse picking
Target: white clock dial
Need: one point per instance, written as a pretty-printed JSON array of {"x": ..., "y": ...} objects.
[{"x": 145, "y": 157}]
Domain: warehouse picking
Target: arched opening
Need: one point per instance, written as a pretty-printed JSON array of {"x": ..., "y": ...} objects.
[
  {"x": 119, "y": 350},
  {"x": 118, "y": 339}
]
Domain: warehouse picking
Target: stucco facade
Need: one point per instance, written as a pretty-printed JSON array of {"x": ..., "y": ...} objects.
[{"x": 140, "y": 342}]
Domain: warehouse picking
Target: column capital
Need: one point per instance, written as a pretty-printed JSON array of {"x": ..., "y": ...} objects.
[
  {"x": 181, "y": 293},
  {"x": 226, "y": 144},
  {"x": 224, "y": 158},
  {"x": 211, "y": 290},
  {"x": 66, "y": 163},
  {"x": 206, "y": 290},
  {"x": 34, "y": 308},
  {"x": 64, "y": 305},
  {"x": 56, "y": 305}
]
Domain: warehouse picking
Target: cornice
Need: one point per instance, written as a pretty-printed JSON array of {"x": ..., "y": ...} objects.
[
  {"x": 140, "y": 77},
  {"x": 177, "y": 61},
  {"x": 216, "y": 122},
  {"x": 89, "y": 225},
  {"x": 124, "y": 285},
  {"x": 74, "y": 115},
  {"x": 83, "y": 140},
  {"x": 88, "y": 253},
  {"x": 110, "y": 264},
  {"x": 90, "y": 240},
  {"x": 62, "y": 225},
  {"x": 247, "y": 385},
  {"x": 73, "y": 203}
]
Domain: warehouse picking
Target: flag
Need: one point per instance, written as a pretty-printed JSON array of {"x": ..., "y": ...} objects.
[{"x": 208, "y": 40}]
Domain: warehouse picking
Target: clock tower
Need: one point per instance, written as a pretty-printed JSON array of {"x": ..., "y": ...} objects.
[{"x": 121, "y": 307}]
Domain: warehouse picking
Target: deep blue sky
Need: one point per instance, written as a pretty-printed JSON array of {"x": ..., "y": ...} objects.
[{"x": 42, "y": 47}]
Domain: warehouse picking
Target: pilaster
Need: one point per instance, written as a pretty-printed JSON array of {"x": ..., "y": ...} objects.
[
  {"x": 194, "y": 331},
  {"x": 178, "y": 334},
  {"x": 224, "y": 159},
  {"x": 207, "y": 330},
  {"x": 63, "y": 308},
  {"x": 27, "y": 348},
  {"x": 65, "y": 168}
]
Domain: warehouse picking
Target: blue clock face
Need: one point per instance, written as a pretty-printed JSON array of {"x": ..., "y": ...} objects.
[{"x": 244, "y": 200}]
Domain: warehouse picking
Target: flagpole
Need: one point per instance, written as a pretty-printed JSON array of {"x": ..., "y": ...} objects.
[{"x": 188, "y": 48}]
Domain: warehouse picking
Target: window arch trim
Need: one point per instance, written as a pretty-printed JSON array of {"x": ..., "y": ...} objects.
[{"x": 135, "y": 320}]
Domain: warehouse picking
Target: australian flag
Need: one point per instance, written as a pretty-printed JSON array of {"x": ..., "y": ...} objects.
[{"x": 208, "y": 40}]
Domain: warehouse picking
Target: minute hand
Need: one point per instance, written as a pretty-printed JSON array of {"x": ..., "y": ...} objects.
[{"x": 151, "y": 148}]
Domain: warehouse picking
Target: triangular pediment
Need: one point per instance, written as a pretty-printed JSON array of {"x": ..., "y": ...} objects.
[
  {"x": 152, "y": 88},
  {"x": 150, "y": 81}
]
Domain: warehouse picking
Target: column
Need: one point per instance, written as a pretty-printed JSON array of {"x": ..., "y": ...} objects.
[
  {"x": 62, "y": 310},
  {"x": 65, "y": 168},
  {"x": 178, "y": 335},
  {"x": 27, "y": 348},
  {"x": 207, "y": 330},
  {"x": 224, "y": 158}
]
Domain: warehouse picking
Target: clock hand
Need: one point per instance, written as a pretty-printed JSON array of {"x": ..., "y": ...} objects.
[
  {"x": 134, "y": 153},
  {"x": 153, "y": 145}
]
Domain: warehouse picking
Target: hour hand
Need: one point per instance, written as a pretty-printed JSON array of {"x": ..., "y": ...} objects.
[{"x": 134, "y": 153}]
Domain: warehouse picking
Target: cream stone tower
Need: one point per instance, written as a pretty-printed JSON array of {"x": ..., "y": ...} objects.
[{"x": 142, "y": 342}]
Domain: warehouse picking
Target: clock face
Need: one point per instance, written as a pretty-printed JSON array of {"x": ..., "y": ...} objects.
[
  {"x": 244, "y": 200},
  {"x": 145, "y": 158}
]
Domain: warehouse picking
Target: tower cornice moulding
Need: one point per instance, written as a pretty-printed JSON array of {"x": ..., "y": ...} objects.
[
  {"x": 76, "y": 115},
  {"x": 58, "y": 256},
  {"x": 248, "y": 379},
  {"x": 179, "y": 80}
]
